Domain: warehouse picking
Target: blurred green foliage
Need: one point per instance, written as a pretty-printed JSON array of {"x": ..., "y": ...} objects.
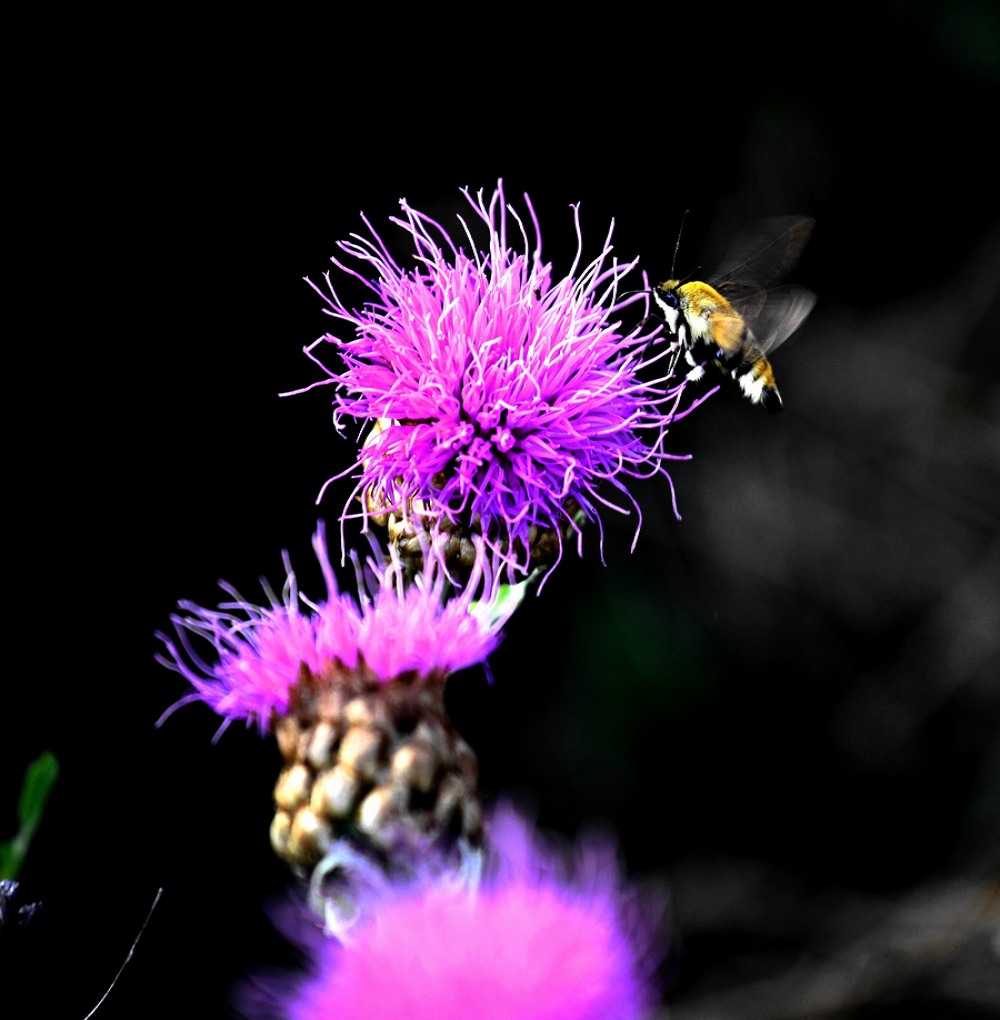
[{"x": 39, "y": 778}]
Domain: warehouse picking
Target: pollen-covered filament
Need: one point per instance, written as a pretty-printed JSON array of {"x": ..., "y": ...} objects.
[{"x": 503, "y": 440}]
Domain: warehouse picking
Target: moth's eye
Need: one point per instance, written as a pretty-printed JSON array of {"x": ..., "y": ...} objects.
[{"x": 670, "y": 299}]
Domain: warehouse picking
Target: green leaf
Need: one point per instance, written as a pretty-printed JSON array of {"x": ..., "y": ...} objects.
[{"x": 39, "y": 778}]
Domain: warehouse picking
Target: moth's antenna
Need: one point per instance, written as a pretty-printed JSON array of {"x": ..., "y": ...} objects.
[
  {"x": 677, "y": 246},
  {"x": 156, "y": 899}
]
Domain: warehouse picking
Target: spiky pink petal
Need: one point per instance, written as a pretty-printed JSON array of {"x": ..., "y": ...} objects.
[
  {"x": 503, "y": 394},
  {"x": 258, "y": 650},
  {"x": 535, "y": 940}
]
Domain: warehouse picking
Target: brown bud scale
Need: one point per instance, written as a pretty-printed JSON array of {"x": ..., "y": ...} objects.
[{"x": 379, "y": 762}]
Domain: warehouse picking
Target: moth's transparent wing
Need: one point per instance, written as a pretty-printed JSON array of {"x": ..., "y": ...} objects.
[
  {"x": 762, "y": 257},
  {"x": 775, "y": 315}
]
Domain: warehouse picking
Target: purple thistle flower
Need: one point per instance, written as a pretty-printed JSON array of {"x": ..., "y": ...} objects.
[
  {"x": 504, "y": 400},
  {"x": 533, "y": 939},
  {"x": 394, "y": 631}
]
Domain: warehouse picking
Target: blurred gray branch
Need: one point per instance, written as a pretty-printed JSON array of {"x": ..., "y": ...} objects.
[{"x": 940, "y": 940}]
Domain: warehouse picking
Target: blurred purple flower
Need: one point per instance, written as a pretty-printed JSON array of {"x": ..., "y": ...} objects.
[
  {"x": 397, "y": 629},
  {"x": 502, "y": 399},
  {"x": 536, "y": 938}
]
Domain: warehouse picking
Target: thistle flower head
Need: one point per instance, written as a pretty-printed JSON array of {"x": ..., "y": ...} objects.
[
  {"x": 392, "y": 630},
  {"x": 535, "y": 938},
  {"x": 504, "y": 399}
]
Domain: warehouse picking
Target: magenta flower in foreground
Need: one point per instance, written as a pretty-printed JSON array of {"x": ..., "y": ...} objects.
[
  {"x": 259, "y": 651},
  {"x": 533, "y": 940},
  {"x": 504, "y": 400}
]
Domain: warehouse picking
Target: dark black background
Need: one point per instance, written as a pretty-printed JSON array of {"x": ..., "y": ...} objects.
[{"x": 800, "y": 677}]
